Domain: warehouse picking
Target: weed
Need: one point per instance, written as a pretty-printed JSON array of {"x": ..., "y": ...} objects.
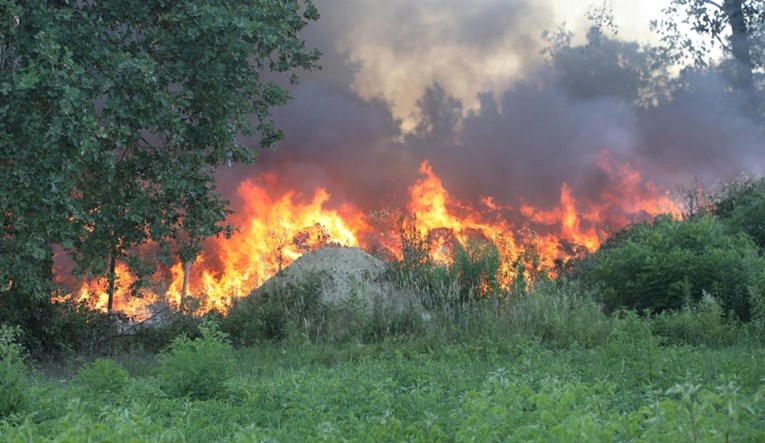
[
  {"x": 103, "y": 377},
  {"x": 12, "y": 372},
  {"x": 197, "y": 368}
]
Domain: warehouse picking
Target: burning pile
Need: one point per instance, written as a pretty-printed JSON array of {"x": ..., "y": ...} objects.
[{"x": 276, "y": 229}]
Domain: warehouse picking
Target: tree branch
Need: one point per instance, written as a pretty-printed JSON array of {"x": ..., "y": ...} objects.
[
  {"x": 722, "y": 43},
  {"x": 713, "y": 3}
]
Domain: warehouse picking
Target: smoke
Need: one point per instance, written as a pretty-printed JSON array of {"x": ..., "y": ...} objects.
[
  {"x": 398, "y": 47},
  {"x": 702, "y": 133},
  {"x": 467, "y": 88}
]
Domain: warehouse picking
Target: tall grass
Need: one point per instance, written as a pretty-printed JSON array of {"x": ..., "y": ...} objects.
[{"x": 12, "y": 372}]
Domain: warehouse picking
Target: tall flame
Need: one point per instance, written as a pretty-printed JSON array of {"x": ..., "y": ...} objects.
[
  {"x": 442, "y": 219},
  {"x": 273, "y": 232}
]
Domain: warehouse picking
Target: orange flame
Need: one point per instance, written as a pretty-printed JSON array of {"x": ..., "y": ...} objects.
[
  {"x": 94, "y": 294},
  {"x": 274, "y": 230},
  {"x": 441, "y": 219}
]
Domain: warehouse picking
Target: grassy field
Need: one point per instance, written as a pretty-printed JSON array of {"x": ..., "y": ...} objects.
[{"x": 631, "y": 386}]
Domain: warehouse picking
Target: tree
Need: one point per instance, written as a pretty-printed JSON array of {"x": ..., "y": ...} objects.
[
  {"x": 602, "y": 67},
  {"x": 440, "y": 114},
  {"x": 115, "y": 114},
  {"x": 735, "y": 26}
]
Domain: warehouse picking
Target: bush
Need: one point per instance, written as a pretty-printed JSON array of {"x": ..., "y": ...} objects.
[
  {"x": 560, "y": 313},
  {"x": 277, "y": 310},
  {"x": 197, "y": 368},
  {"x": 701, "y": 323},
  {"x": 473, "y": 274},
  {"x": 669, "y": 264},
  {"x": 103, "y": 377},
  {"x": 158, "y": 336},
  {"x": 476, "y": 269},
  {"x": 742, "y": 205},
  {"x": 12, "y": 372},
  {"x": 48, "y": 328}
]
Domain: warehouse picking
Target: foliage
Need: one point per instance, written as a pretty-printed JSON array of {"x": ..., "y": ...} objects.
[
  {"x": 115, "y": 115},
  {"x": 559, "y": 313},
  {"x": 277, "y": 310},
  {"x": 480, "y": 389},
  {"x": 709, "y": 20},
  {"x": 439, "y": 115},
  {"x": 476, "y": 269},
  {"x": 57, "y": 328},
  {"x": 558, "y": 410},
  {"x": 602, "y": 67},
  {"x": 741, "y": 203},
  {"x": 12, "y": 373},
  {"x": 632, "y": 346},
  {"x": 698, "y": 323},
  {"x": 666, "y": 264},
  {"x": 156, "y": 336},
  {"x": 733, "y": 26},
  {"x": 292, "y": 311},
  {"x": 415, "y": 249},
  {"x": 199, "y": 368},
  {"x": 103, "y": 377}
]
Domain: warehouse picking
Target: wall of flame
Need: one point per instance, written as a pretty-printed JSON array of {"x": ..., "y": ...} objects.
[{"x": 277, "y": 227}]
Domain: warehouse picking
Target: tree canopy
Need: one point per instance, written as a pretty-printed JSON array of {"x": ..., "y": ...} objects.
[
  {"x": 114, "y": 115},
  {"x": 734, "y": 27}
]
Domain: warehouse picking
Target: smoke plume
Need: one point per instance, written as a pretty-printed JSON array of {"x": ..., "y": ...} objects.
[{"x": 468, "y": 89}]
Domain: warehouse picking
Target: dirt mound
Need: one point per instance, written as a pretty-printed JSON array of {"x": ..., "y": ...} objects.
[{"x": 345, "y": 273}]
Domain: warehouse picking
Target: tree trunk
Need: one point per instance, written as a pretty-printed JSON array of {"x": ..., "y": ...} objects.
[
  {"x": 740, "y": 46},
  {"x": 185, "y": 287},
  {"x": 112, "y": 283}
]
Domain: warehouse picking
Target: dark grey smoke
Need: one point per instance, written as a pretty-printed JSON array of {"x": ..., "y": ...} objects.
[{"x": 524, "y": 140}]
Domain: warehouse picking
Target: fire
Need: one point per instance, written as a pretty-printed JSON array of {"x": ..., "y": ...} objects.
[
  {"x": 94, "y": 294},
  {"x": 436, "y": 212},
  {"x": 569, "y": 218},
  {"x": 273, "y": 232},
  {"x": 276, "y": 228}
]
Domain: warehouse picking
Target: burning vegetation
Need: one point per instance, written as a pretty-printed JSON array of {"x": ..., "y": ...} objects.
[
  {"x": 274, "y": 229},
  {"x": 118, "y": 172}
]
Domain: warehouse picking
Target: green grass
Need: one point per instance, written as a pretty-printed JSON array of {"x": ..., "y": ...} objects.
[
  {"x": 630, "y": 388},
  {"x": 548, "y": 366}
]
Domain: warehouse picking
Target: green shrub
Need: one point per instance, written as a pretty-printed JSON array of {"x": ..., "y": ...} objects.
[
  {"x": 241, "y": 322},
  {"x": 473, "y": 268},
  {"x": 197, "y": 368},
  {"x": 473, "y": 274},
  {"x": 53, "y": 328},
  {"x": 476, "y": 269},
  {"x": 742, "y": 205},
  {"x": 158, "y": 336},
  {"x": 671, "y": 263},
  {"x": 12, "y": 373},
  {"x": 700, "y": 323},
  {"x": 103, "y": 377},
  {"x": 277, "y": 310},
  {"x": 633, "y": 349},
  {"x": 561, "y": 313}
]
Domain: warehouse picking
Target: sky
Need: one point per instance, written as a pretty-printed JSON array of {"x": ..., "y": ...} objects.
[{"x": 631, "y": 16}]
